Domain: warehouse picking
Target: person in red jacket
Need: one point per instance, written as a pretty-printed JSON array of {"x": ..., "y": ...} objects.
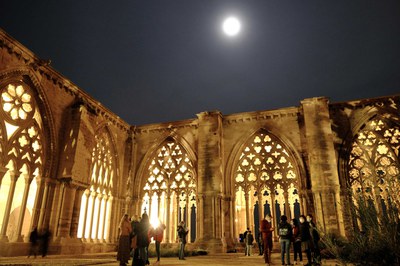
[
  {"x": 158, "y": 235},
  {"x": 266, "y": 230}
]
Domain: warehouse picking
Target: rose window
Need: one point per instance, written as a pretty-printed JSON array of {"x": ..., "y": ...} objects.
[{"x": 17, "y": 102}]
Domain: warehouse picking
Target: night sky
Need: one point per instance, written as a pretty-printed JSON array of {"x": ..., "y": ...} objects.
[{"x": 157, "y": 61}]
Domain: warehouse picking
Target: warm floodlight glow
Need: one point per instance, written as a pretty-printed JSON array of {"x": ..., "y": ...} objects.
[
  {"x": 231, "y": 26},
  {"x": 154, "y": 221}
]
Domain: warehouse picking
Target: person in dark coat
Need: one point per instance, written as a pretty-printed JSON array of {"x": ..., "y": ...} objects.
[
  {"x": 285, "y": 236},
  {"x": 305, "y": 236},
  {"x": 124, "y": 242},
  {"x": 33, "y": 239},
  {"x": 44, "y": 241},
  {"x": 182, "y": 233},
  {"x": 142, "y": 242},
  {"x": 296, "y": 239},
  {"x": 316, "y": 256},
  {"x": 260, "y": 244},
  {"x": 249, "y": 242}
]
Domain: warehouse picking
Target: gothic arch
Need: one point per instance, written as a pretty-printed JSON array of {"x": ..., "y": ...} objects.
[
  {"x": 169, "y": 187},
  {"x": 372, "y": 163},
  {"x": 97, "y": 201},
  {"x": 28, "y": 77},
  {"x": 27, "y": 142},
  {"x": 240, "y": 145},
  {"x": 273, "y": 178}
]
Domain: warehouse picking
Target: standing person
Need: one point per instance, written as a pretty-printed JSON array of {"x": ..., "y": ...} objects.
[
  {"x": 260, "y": 244},
  {"x": 124, "y": 243},
  {"x": 249, "y": 242},
  {"x": 182, "y": 233},
  {"x": 44, "y": 241},
  {"x": 305, "y": 237},
  {"x": 134, "y": 224},
  {"x": 296, "y": 241},
  {"x": 142, "y": 232},
  {"x": 33, "y": 239},
  {"x": 158, "y": 234},
  {"x": 266, "y": 230},
  {"x": 244, "y": 239},
  {"x": 314, "y": 240},
  {"x": 285, "y": 235}
]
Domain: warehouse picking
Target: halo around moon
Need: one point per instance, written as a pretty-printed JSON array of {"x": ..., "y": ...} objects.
[{"x": 231, "y": 26}]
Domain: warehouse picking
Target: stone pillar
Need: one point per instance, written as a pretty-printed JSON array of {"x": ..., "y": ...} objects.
[
  {"x": 168, "y": 222},
  {"x": 44, "y": 203},
  {"x": 87, "y": 194},
  {"x": 28, "y": 180},
  {"x": 287, "y": 206},
  {"x": 36, "y": 206},
  {"x": 13, "y": 177},
  {"x": 93, "y": 197},
  {"x": 3, "y": 171},
  {"x": 246, "y": 199},
  {"x": 322, "y": 163},
  {"x": 76, "y": 213},
  {"x": 210, "y": 179},
  {"x": 105, "y": 198},
  {"x": 67, "y": 207}
]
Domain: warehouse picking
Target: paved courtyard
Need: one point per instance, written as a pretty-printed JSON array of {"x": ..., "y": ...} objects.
[{"x": 233, "y": 259}]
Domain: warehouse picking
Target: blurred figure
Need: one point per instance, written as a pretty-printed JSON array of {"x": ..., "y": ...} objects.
[
  {"x": 158, "y": 235},
  {"x": 33, "y": 239},
  {"x": 249, "y": 243},
  {"x": 44, "y": 241},
  {"x": 142, "y": 233},
  {"x": 124, "y": 240},
  {"x": 182, "y": 233}
]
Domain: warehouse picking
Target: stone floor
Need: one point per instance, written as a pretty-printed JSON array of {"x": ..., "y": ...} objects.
[{"x": 233, "y": 259}]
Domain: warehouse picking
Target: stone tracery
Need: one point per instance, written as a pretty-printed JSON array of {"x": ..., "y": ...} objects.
[
  {"x": 266, "y": 181},
  {"x": 374, "y": 166},
  {"x": 170, "y": 190}
]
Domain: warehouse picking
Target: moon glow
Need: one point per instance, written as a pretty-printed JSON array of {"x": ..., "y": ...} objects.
[{"x": 231, "y": 26}]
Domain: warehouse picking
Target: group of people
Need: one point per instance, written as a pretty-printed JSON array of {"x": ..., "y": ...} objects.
[
  {"x": 303, "y": 235},
  {"x": 39, "y": 242},
  {"x": 135, "y": 237}
]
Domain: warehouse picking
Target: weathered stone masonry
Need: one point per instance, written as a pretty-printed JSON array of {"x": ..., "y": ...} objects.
[{"x": 90, "y": 167}]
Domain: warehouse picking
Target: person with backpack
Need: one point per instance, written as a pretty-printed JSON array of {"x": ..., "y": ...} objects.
[
  {"x": 249, "y": 243},
  {"x": 285, "y": 235}
]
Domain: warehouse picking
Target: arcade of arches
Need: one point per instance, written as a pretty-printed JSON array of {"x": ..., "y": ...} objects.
[{"x": 70, "y": 165}]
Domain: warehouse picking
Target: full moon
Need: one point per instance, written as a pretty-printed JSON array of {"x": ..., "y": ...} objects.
[{"x": 231, "y": 26}]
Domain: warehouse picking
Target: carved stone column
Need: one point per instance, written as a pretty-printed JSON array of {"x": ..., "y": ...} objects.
[
  {"x": 76, "y": 212},
  {"x": 28, "y": 180},
  {"x": 3, "y": 171},
  {"x": 14, "y": 178},
  {"x": 168, "y": 222}
]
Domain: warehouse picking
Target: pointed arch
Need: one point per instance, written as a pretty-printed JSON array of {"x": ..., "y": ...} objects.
[
  {"x": 27, "y": 141},
  {"x": 266, "y": 178},
  {"x": 169, "y": 186},
  {"x": 96, "y": 203},
  {"x": 373, "y": 164}
]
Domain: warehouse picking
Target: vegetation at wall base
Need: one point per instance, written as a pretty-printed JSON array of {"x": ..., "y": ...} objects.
[{"x": 375, "y": 239}]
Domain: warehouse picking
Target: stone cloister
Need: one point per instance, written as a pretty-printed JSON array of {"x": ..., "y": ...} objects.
[{"x": 69, "y": 164}]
